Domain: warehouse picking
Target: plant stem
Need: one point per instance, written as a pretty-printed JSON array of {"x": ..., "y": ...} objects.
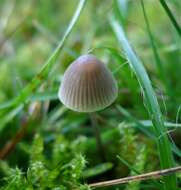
[
  {"x": 150, "y": 175},
  {"x": 97, "y": 135}
]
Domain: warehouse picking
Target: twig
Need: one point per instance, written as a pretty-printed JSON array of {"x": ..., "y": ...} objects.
[
  {"x": 9, "y": 147},
  {"x": 155, "y": 174}
]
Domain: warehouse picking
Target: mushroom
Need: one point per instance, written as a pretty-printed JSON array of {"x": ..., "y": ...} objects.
[{"x": 88, "y": 86}]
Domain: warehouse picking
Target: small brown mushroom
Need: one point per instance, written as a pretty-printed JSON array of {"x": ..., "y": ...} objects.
[{"x": 88, "y": 85}]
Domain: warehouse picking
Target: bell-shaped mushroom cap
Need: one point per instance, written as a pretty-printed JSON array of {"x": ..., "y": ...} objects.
[{"x": 87, "y": 85}]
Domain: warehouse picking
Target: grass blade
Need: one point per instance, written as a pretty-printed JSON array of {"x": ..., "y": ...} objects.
[
  {"x": 8, "y": 117},
  {"x": 158, "y": 61},
  {"x": 170, "y": 15},
  {"x": 145, "y": 129},
  {"x": 43, "y": 74},
  {"x": 164, "y": 147}
]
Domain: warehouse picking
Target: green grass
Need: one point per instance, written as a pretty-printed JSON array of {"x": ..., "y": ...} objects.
[
  {"x": 42, "y": 75},
  {"x": 55, "y": 148},
  {"x": 158, "y": 61},
  {"x": 164, "y": 148},
  {"x": 47, "y": 67},
  {"x": 172, "y": 18}
]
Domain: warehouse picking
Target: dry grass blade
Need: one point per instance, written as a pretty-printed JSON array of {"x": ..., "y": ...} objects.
[{"x": 150, "y": 175}]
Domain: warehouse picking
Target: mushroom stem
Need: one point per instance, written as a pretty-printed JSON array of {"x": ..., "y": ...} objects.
[{"x": 97, "y": 135}]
